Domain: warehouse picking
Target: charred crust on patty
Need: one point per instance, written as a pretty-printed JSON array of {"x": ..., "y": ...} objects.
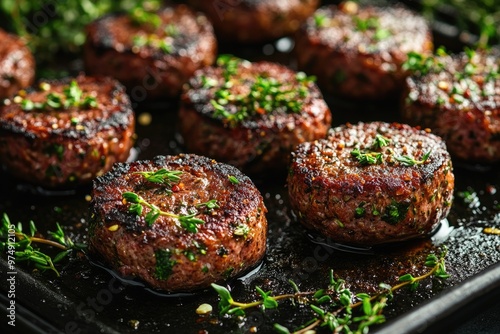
[
  {"x": 218, "y": 249},
  {"x": 400, "y": 196}
]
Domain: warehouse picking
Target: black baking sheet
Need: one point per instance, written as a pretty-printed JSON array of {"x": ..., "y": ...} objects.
[{"x": 88, "y": 299}]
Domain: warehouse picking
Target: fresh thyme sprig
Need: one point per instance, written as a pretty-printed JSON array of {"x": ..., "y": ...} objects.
[
  {"x": 340, "y": 302},
  {"x": 162, "y": 176},
  {"x": 73, "y": 97},
  {"x": 188, "y": 222},
  {"x": 24, "y": 249}
]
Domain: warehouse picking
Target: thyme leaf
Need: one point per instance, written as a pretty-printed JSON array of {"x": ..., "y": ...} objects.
[
  {"x": 162, "y": 176},
  {"x": 409, "y": 161},
  {"x": 233, "y": 179},
  {"x": 210, "y": 205}
]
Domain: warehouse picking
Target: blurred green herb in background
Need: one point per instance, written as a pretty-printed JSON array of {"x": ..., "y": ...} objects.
[
  {"x": 476, "y": 17},
  {"x": 55, "y": 27}
]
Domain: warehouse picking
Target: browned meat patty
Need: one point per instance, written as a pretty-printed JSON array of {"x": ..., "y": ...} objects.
[
  {"x": 251, "y": 115},
  {"x": 372, "y": 183},
  {"x": 153, "y": 59},
  {"x": 357, "y": 52},
  {"x": 67, "y": 132},
  {"x": 177, "y": 222},
  {"x": 17, "y": 65},
  {"x": 458, "y": 97},
  {"x": 255, "y": 21}
]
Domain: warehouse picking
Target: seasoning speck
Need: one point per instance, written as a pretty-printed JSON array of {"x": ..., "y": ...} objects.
[{"x": 133, "y": 323}]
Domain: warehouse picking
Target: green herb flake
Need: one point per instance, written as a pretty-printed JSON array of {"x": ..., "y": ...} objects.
[
  {"x": 360, "y": 210},
  {"x": 233, "y": 179},
  {"x": 241, "y": 230},
  {"x": 164, "y": 264},
  {"x": 380, "y": 141},
  {"x": 209, "y": 205},
  {"x": 409, "y": 161},
  {"x": 320, "y": 20},
  {"x": 395, "y": 212},
  {"x": 381, "y": 34}
]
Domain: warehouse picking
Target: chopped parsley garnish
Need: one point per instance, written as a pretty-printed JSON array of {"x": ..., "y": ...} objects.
[
  {"x": 422, "y": 64},
  {"x": 266, "y": 94}
]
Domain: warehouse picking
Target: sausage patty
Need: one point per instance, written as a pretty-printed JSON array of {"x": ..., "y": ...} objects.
[
  {"x": 357, "y": 52},
  {"x": 152, "y": 58},
  {"x": 372, "y": 183},
  {"x": 177, "y": 222},
  {"x": 66, "y": 132},
  {"x": 458, "y": 97},
  {"x": 255, "y": 21},
  {"x": 17, "y": 65},
  {"x": 251, "y": 115}
]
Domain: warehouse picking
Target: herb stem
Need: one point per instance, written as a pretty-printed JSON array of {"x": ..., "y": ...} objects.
[
  {"x": 340, "y": 298},
  {"x": 310, "y": 327},
  {"x": 21, "y": 236}
]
